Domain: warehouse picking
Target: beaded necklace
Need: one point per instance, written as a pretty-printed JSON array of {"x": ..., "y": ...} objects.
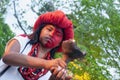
[{"x": 33, "y": 73}]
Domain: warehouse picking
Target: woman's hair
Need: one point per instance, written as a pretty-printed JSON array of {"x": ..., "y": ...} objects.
[{"x": 34, "y": 39}]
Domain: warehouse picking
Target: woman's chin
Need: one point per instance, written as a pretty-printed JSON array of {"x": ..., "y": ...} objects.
[{"x": 49, "y": 46}]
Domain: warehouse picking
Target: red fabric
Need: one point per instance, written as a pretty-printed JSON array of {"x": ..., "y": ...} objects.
[
  {"x": 23, "y": 35},
  {"x": 33, "y": 73},
  {"x": 58, "y": 19}
]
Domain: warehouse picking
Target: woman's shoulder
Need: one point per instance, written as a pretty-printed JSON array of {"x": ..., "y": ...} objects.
[{"x": 22, "y": 39}]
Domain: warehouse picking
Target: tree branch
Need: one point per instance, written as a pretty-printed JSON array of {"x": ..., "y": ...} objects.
[
  {"x": 35, "y": 11},
  {"x": 15, "y": 14}
]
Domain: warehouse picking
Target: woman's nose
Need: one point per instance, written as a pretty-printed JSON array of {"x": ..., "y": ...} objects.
[{"x": 52, "y": 32}]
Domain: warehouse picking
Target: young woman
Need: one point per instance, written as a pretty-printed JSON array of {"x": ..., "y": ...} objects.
[{"x": 31, "y": 57}]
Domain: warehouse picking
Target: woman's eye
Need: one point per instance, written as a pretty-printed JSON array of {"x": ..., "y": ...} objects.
[
  {"x": 49, "y": 29},
  {"x": 58, "y": 34}
]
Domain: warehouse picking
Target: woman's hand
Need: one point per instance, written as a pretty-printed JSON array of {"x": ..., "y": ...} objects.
[
  {"x": 59, "y": 73},
  {"x": 55, "y": 63}
]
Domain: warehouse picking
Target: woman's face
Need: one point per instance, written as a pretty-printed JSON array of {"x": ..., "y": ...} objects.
[{"x": 50, "y": 36}]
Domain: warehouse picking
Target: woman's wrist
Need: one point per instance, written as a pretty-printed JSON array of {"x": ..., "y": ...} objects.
[{"x": 45, "y": 64}]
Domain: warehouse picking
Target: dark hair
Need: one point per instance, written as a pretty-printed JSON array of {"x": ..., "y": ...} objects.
[{"x": 34, "y": 39}]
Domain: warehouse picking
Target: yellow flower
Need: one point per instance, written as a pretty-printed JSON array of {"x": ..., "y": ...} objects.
[
  {"x": 84, "y": 76},
  {"x": 77, "y": 77},
  {"x": 75, "y": 65}
]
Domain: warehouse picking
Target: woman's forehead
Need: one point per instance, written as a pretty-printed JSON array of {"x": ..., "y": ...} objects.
[{"x": 55, "y": 27}]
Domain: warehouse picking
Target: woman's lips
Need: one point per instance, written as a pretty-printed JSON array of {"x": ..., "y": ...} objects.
[{"x": 50, "y": 40}]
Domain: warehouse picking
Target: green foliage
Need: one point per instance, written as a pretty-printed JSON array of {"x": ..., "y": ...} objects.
[
  {"x": 3, "y": 5},
  {"x": 97, "y": 28},
  {"x": 58, "y": 55},
  {"x": 5, "y": 35},
  {"x": 44, "y": 6},
  {"x": 5, "y": 32}
]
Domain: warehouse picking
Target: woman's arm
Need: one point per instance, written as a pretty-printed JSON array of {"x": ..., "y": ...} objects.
[{"x": 13, "y": 57}]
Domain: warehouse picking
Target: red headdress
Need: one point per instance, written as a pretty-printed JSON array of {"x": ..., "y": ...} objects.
[{"x": 59, "y": 19}]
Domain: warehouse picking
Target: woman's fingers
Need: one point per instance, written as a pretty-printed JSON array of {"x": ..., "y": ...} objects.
[
  {"x": 55, "y": 63},
  {"x": 61, "y": 75},
  {"x": 55, "y": 70},
  {"x": 68, "y": 78},
  {"x": 62, "y": 63}
]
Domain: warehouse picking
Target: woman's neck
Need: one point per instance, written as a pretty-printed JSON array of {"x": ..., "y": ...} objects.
[{"x": 42, "y": 51}]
